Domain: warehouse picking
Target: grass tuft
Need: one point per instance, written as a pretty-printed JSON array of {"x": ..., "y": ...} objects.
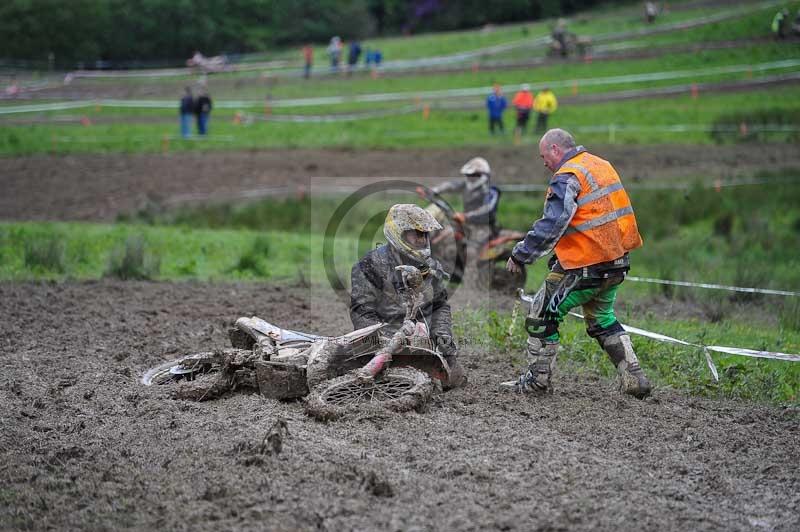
[
  {"x": 132, "y": 262},
  {"x": 45, "y": 253}
]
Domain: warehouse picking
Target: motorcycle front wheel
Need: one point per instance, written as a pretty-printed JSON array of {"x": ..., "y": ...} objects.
[{"x": 397, "y": 390}]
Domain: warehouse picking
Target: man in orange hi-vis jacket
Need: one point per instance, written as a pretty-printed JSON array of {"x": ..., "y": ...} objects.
[
  {"x": 523, "y": 103},
  {"x": 588, "y": 221}
]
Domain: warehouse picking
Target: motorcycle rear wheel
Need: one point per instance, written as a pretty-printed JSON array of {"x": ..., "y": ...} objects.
[{"x": 194, "y": 377}]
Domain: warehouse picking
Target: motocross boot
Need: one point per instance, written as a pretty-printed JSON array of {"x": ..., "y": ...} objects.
[
  {"x": 541, "y": 363},
  {"x": 458, "y": 377},
  {"x": 632, "y": 380}
]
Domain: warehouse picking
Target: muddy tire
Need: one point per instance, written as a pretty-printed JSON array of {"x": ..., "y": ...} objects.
[
  {"x": 398, "y": 390},
  {"x": 161, "y": 374},
  {"x": 205, "y": 382}
]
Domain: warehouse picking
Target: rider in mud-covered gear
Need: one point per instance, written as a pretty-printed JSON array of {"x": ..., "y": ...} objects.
[
  {"x": 377, "y": 285},
  {"x": 589, "y": 222},
  {"x": 480, "y": 200}
]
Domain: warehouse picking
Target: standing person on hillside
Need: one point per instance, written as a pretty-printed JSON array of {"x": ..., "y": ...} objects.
[
  {"x": 496, "y": 105},
  {"x": 589, "y": 222},
  {"x": 559, "y": 37},
  {"x": 308, "y": 60},
  {"x": 650, "y": 12},
  {"x": 796, "y": 23},
  {"x": 780, "y": 23},
  {"x": 545, "y": 104},
  {"x": 335, "y": 52},
  {"x": 353, "y": 55},
  {"x": 202, "y": 108},
  {"x": 187, "y": 113},
  {"x": 523, "y": 103}
]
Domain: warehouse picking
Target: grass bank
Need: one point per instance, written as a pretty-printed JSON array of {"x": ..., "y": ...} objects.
[{"x": 629, "y": 122}]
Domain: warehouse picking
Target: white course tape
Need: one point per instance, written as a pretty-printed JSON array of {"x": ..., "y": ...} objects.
[
  {"x": 706, "y": 348},
  {"x": 714, "y": 286}
]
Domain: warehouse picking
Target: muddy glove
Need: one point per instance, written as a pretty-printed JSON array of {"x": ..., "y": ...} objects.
[
  {"x": 513, "y": 266},
  {"x": 416, "y": 333},
  {"x": 445, "y": 345},
  {"x": 412, "y": 329}
]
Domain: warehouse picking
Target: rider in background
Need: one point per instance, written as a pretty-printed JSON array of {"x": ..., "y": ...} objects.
[
  {"x": 376, "y": 286},
  {"x": 479, "y": 217}
]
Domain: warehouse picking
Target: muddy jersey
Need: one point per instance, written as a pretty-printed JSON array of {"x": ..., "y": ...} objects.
[{"x": 376, "y": 295}]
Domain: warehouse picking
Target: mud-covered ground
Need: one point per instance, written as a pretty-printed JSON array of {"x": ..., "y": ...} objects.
[
  {"x": 99, "y": 187},
  {"x": 84, "y": 446}
]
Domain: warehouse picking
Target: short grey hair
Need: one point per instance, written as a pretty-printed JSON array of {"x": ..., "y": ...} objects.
[{"x": 560, "y": 138}]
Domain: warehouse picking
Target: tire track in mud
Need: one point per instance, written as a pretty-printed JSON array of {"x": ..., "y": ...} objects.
[{"x": 86, "y": 447}]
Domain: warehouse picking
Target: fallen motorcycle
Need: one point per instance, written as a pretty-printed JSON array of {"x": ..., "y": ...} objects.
[
  {"x": 449, "y": 246},
  {"x": 334, "y": 374}
]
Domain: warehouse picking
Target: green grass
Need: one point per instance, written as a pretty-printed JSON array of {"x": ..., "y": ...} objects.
[
  {"x": 667, "y": 365},
  {"x": 444, "y": 128},
  {"x": 92, "y": 251},
  {"x": 754, "y": 25},
  {"x": 602, "y": 20}
]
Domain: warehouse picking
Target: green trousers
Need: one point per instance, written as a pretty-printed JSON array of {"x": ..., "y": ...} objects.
[{"x": 597, "y": 300}]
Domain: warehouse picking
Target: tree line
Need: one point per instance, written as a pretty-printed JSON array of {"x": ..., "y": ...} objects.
[{"x": 62, "y": 33}]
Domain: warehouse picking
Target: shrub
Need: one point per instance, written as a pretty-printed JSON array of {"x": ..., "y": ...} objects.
[
  {"x": 45, "y": 253},
  {"x": 131, "y": 261},
  {"x": 254, "y": 261}
]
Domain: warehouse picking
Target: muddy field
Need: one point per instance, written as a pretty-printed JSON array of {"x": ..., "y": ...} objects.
[
  {"x": 84, "y": 446},
  {"x": 99, "y": 187}
]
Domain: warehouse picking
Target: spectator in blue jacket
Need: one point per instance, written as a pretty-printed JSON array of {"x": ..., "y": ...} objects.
[
  {"x": 496, "y": 105},
  {"x": 187, "y": 113}
]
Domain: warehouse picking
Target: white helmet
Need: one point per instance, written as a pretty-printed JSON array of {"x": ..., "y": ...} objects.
[
  {"x": 476, "y": 166},
  {"x": 476, "y": 172}
]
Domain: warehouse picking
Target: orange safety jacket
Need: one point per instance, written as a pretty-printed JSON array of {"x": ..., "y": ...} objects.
[
  {"x": 603, "y": 227},
  {"x": 523, "y": 100}
]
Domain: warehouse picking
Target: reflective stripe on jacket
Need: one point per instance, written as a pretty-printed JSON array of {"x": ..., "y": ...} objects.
[{"x": 603, "y": 227}]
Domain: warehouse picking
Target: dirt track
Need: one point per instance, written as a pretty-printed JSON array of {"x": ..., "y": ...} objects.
[
  {"x": 99, "y": 187},
  {"x": 85, "y": 446}
]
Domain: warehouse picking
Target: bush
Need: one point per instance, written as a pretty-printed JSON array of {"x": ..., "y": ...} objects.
[
  {"x": 254, "y": 261},
  {"x": 132, "y": 262},
  {"x": 45, "y": 253}
]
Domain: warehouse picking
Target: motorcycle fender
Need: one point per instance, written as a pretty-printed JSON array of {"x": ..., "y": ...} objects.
[{"x": 424, "y": 360}]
